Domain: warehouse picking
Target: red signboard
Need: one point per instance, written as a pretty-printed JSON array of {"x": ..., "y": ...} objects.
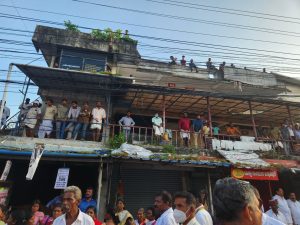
[
  {"x": 171, "y": 85},
  {"x": 254, "y": 174}
]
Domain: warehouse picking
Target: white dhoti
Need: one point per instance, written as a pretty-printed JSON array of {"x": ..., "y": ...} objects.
[
  {"x": 46, "y": 127},
  {"x": 158, "y": 130},
  {"x": 184, "y": 134}
]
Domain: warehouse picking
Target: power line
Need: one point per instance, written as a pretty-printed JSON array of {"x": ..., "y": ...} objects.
[
  {"x": 154, "y": 27},
  {"x": 188, "y": 19},
  {"x": 213, "y": 9}
]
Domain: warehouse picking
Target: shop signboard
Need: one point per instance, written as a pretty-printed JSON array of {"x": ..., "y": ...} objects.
[{"x": 254, "y": 174}]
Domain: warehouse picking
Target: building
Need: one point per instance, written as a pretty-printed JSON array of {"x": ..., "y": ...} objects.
[{"x": 84, "y": 68}]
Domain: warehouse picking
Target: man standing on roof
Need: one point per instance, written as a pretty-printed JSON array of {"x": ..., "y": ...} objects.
[
  {"x": 46, "y": 126},
  {"x": 184, "y": 126},
  {"x": 126, "y": 122},
  {"x": 183, "y": 61},
  {"x": 283, "y": 205}
]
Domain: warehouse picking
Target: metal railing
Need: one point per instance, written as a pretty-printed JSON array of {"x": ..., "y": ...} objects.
[{"x": 141, "y": 135}]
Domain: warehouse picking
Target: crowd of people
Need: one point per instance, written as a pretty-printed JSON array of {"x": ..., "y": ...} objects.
[
  {"x": 192, "y": 66},
  {"x": 64, "y": 121},
  {"x": 235, "y": 202}
]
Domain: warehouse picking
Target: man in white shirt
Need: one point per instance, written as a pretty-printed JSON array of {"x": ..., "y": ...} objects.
[
  {"x": 150, "y": 215},
  {"x": 185, "y": 208},
  {"x": 283, "y": 206},
  {"x": 126, "y": 122},
  {"x": 46, "y": 126},
  {"x": 294, "y": 206},
  {"x": 24, "y": 108},
  {"x": 266, "y": 220},
  {"x": 203, "y": 217},
  {"x": 162, "y": 203},
  {"x": 73, "y": 215},
  {"x": 275, "y": 213},
  {"x": 98, "y": 114}
]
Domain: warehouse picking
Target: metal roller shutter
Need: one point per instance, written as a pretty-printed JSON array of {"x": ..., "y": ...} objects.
[{"x": 141, "y": 185}]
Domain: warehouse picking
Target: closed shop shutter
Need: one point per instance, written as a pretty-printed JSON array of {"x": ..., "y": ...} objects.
[{"x": 141, "y": 185}]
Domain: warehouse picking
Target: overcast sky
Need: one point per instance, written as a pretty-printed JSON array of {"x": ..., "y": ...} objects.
[{"x": 278, "y": 52}]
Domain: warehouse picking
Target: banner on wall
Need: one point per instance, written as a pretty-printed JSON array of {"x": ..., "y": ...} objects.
[
  {"x": 36, "y": 155},
  {"x": 254, "y": 174}
]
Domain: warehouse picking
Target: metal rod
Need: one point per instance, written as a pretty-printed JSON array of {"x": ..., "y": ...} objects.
[
  {"x": 5, "y": 89},
  {"x": 210, "y": 193},
  {"x": 164, "y": 112},
  {"x": 290, "y": 114},
  {"x": 253, "y": 121},
  {"x": 99, "y": 186},
  {"x": 209, "y": 116}
]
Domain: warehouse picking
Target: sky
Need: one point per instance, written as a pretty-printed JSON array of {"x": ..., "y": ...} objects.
[{"x": 256, "y": 34}]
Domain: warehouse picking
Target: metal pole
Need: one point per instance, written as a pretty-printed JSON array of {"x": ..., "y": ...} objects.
[
  {"x": 164, "y": 112},
  {"x": 209, "y": 116},
  {"x": 253, "y": 121},
  {"x": 290, "y": 114},
  {"x": 99, "y": 186},
  {"x": 5, "y": 89},
  {"x": 210, "y": 193}
]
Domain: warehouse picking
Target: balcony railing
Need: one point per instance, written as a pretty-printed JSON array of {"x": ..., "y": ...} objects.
[{"x": 141, "y": 135}]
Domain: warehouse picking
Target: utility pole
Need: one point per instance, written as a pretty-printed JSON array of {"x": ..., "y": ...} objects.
[{"x": 5, "y": 89}]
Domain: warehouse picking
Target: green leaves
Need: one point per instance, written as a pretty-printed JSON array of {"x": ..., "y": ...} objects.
[{"x": 70, "y": 26}]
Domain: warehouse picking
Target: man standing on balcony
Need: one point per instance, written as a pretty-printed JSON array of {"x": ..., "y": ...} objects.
[
  {"x": 24, "y": 108},
  {"x": 157, "y": 126},
  {"x": 127, "y": 122},
  {"x": 31, "y": 119},
  {"x": 184, "y": 126},
  {"x": 98, "y": 114},
  {"x": 197, "y": 127},
  {"x": 46, "y": 126},
  {"x": 283, "y": 205},
  {"x": 61, "y": 118},
  {"x": 72, "y": 118}
]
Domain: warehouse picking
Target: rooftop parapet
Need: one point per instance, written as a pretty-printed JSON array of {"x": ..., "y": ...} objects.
[{"x": 49, "y": 40}]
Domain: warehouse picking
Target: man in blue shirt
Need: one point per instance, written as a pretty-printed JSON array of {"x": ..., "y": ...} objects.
[
  {"x": 87, "y": 200},
  {"x": 197, "y": 128}
]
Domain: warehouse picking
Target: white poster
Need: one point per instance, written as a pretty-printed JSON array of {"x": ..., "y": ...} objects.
[
  {"x": 62, "y": 178},
  {"x": 6, "y": 170},
  {"x": 34, "y": 160}
]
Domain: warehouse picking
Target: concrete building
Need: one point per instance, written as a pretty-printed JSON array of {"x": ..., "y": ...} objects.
[{"x": 84, "y": 68}]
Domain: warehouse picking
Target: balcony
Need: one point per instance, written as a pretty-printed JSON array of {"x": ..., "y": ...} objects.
[{"x": 170, "y": 146}]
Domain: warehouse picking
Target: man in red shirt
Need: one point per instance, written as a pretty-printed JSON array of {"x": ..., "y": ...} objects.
[{"x": 184, "y": 125}]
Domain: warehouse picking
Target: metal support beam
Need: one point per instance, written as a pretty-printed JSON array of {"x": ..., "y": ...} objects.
[
  {"x": 253, "y": 121},
  {"x": 156, "y": 97},
  {"x": 210, "y": 193},
  {"x": 194, "y": 103},
  {"x": 290, "y": 114},
  {"x": 174, "y": 101},
  {"x": 209, "y": 116},
  {"x": 99, "y": 185}
]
